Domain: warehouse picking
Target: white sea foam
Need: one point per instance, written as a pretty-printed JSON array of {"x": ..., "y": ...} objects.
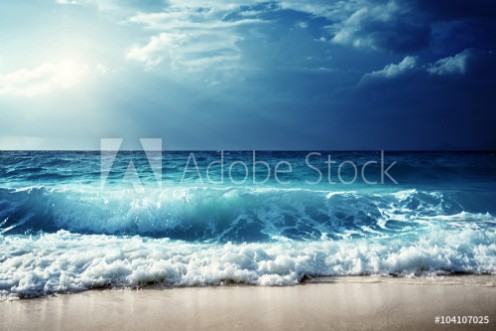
[{"x": 65, "y": 262}]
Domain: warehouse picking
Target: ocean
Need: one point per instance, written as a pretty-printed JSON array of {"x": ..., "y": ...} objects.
[{"x": 74, "y": 221}]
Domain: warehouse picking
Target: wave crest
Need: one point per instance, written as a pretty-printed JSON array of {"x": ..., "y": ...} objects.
[{"x": 231, "y": 214}]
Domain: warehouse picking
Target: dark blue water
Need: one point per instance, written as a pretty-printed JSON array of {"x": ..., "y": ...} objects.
[{"x": 77, "y": 220}]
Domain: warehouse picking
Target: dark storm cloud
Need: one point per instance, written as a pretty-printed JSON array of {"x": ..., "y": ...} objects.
[
  {"x": 407, "y": 26},
  {"x": 458, "y": 24},
  {"x": 437, "y": 87},
  {"x": 426, "y": 105},
  {"x": 455, "y": 36},
  {"x": 454, "y": 9}
]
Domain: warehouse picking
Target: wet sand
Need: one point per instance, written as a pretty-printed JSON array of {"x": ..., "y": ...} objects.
[{"x": 351, "y": 303}]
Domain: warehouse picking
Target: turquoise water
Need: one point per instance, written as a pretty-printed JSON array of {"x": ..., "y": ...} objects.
[{"x": 64, "y": 227}]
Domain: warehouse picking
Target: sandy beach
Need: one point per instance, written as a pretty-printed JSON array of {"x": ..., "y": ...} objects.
[{"x": 351, "y": 303}]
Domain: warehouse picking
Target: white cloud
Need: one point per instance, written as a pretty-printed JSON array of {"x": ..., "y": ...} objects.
[
  {"x": 316, "y": 8},
  {"x": 392, "y": 70},
  {"x": 67, "y": 2},
  {"x": 302, "y": 25},
  {"x": 456, "y": 64},
  {"x": 183, "y": 51},
  {"x": 346, "y": 33},
  {"x": 102, "y": 69},
  {"x": 102, "y": 5},
  {"x": 188, "y": 19},
  {"x": 192, "y": 36},
  {"x": 387, "y": 25},
  {"x": 44, "y": 79}
]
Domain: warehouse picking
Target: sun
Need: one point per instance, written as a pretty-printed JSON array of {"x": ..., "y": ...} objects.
[{"x": 69, "y": 73}]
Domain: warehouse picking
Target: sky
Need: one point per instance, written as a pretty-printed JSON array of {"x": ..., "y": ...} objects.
[{"x": 278, "y": 75}]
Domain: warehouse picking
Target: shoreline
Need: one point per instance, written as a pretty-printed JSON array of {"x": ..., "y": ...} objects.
[{"x": 341, "y": 303}]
